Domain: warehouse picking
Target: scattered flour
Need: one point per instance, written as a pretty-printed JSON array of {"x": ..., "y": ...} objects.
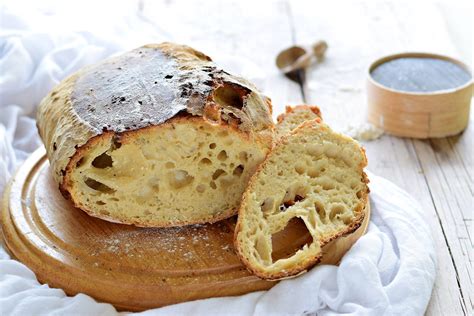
[
  {"x": 350, "y": 89},
  {"x": 363, "y": 131}
]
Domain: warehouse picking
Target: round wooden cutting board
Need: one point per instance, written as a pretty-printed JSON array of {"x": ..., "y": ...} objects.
[{"x": 132, "y": 268}]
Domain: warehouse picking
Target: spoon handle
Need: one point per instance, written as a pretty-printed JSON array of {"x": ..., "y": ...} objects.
[{"x": 301, "y": 78}]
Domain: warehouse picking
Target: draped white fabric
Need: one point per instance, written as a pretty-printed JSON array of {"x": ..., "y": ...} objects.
[{"x": 390, "y": 270}]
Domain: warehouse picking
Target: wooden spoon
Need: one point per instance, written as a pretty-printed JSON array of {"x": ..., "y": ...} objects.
[{"x": 294, "y": 61}]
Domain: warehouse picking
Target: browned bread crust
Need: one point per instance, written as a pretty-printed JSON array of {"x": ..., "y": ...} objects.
[
  {"x": 304, "y": 107},
  {"x": 294, "y": 116},
  {"x": 259, "y": 219},
  {"x": 141, "y": 91}
]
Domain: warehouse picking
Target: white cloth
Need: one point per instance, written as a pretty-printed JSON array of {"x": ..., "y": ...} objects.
[{"x": 390, "y": 270}]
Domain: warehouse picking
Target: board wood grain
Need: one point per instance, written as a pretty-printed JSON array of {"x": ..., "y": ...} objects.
[{"x": 130, "y": 267}]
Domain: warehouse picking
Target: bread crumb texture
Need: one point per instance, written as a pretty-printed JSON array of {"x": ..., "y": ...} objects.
[
  {"x": 158, "y": 136},
  {"x": 313, "y": 175},
  {"x": 167, "y": 175}
]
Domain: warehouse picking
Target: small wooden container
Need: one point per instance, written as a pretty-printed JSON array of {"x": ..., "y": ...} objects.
[{"x": 418, "y": 114}]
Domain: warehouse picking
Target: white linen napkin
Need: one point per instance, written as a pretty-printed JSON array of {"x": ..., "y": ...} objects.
[{"x": 390, "y": 270}]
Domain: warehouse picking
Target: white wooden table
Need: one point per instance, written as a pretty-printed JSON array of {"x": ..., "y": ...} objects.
[{"x": 438, "y": 172}]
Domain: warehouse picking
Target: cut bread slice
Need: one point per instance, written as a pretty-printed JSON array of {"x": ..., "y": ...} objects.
[
  {"x": 313, "y": 175},
  {"x": 184, "y": 171},
  {"x": 294, "y": 116}
]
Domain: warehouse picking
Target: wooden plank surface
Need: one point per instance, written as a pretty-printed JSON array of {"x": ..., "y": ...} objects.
[{"x": 438, "y": 172}]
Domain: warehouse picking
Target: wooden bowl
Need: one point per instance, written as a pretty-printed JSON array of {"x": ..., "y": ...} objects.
[{"x": 418, "y": 114}]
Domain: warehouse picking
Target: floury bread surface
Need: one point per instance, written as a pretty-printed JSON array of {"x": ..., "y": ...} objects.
[
  {"x": 313, "y": 175},
  {"x": 159, "y": 136}
]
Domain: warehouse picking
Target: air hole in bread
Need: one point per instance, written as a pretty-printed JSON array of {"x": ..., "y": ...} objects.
[
  {"x": 359, "y": 194},
  {"x": 243, "y": 156},
  {"x": 336, "y": 212},
  {"x": 319, "y": 206},
  {"x": 327, "y": 186},
  {"x": 213, "y": 185},
  {"x": 238, "y": 170},
  {"x": 292, "y": 202},
  {"x": 313, "y": 172},
  {"x": 201, "y": 188},
  {"x": 212, "y": 145},
  {"x": 154, "y": 183},
  {"x": 299, "y": 168},
  {"x": 222, "y": 155},
  {"x": 205, "y": 161},
  {"x": 102, "y": 161},
  {"x": 262, "y": 248},
  {"x": 218, "y": 173},
  {"x": 346, "y": 219},
  {"x": 227, "y": 95},
  {"x": 169, "y": 165},
  {"x": 295, "y": 193},
  {"x": 98, "y": 186},
  {"x": 143, "y": 195},
  {"x": 332, "y": 150},
  {"x": 100, "y": 203},
  {"x": 312, "y": 219},
  {"x": 116, "y": 144},
  {"x": 314, "y": 150},
  {"x": 296, "y": 232},
  {"x": 231, "y": 119},
  {"x": 104, "y": 212},
  {"x": 267, "y": 206},
  {"x": 223, "y": 133},
  {"x": 179, "y": 178}
]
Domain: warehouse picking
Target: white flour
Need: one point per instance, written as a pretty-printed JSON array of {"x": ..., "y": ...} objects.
[{"x": 363, "y": 131}]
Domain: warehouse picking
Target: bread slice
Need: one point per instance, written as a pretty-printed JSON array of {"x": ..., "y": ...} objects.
[
  {"x": 312, "y": 175},
  {"x": 294, "y": 116},
  {"x": 159, "y": 136}
]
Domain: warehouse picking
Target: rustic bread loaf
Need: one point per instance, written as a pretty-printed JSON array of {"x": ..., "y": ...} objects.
[
  {"x": 294, "y": 116},
  {"x": 158, "y": 136},
  {"x": 314, "y": 175}
]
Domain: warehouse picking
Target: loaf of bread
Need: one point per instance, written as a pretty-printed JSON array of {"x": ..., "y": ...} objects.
[
  {"x": 294, "y": 116},
  {"x": 159, "y": 136},
  {"x": 312, "y": 175}
]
